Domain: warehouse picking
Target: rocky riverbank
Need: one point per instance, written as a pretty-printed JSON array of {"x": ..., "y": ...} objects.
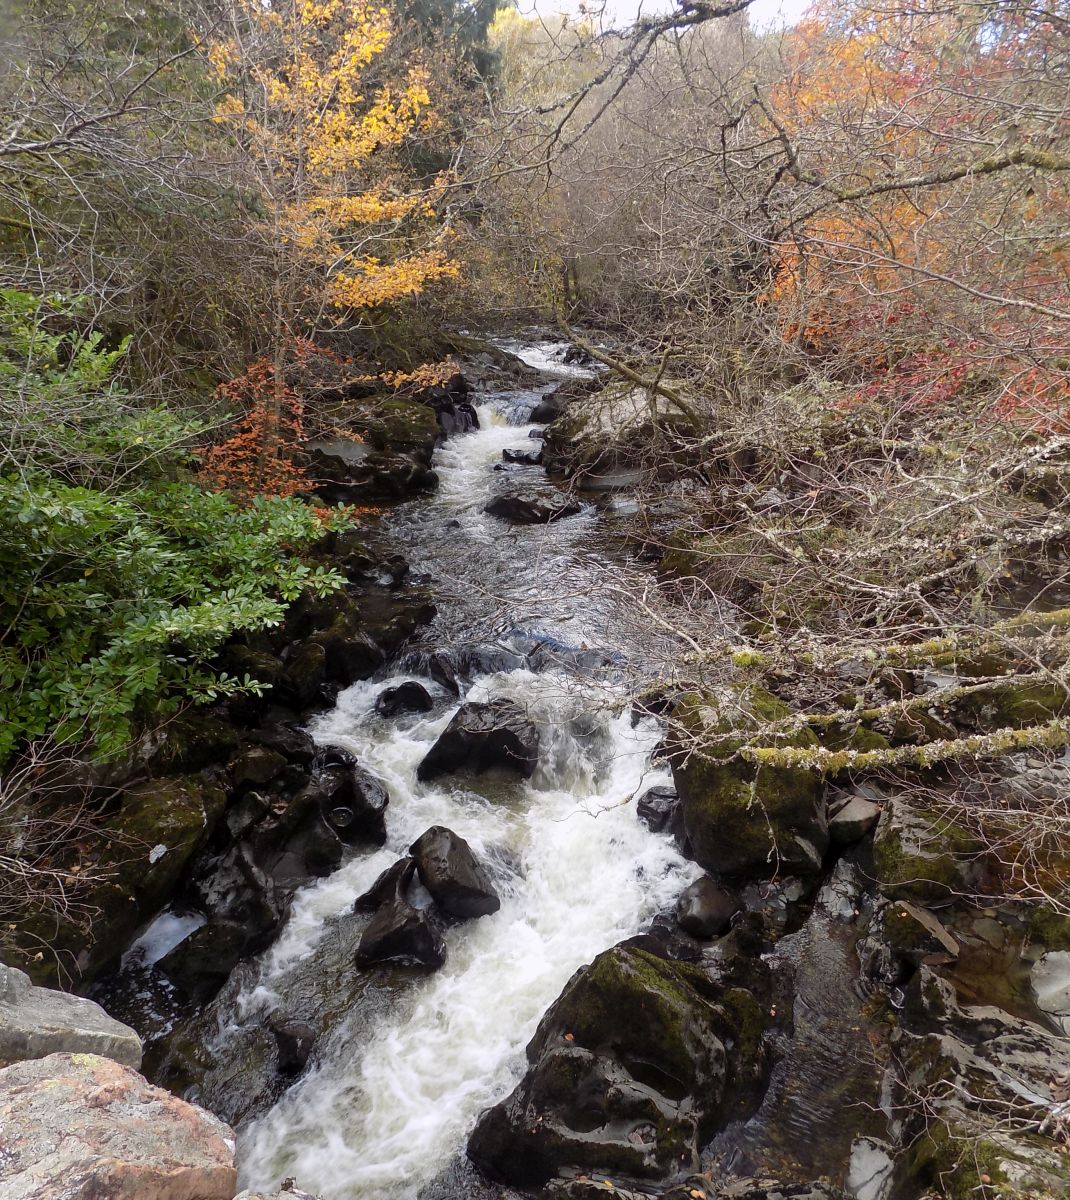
[{"x": 777, "y": 973}]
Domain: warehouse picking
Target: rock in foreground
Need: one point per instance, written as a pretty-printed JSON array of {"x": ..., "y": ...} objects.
[
  {"x": 629, "y": 1070},
  {"x": 81, "y": 1127},
  {"x": 36, "y": 1022},
  {"x": 450, "y": 872}
]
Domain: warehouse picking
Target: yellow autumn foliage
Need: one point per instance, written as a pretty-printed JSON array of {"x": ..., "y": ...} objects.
[{"x": 299, "y": 100}]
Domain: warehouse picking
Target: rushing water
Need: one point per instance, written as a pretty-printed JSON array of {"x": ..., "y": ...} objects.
[{"x": 389, "y": 1101}]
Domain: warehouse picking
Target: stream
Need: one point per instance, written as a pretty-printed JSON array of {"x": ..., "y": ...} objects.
[
  {"x": 405, "y": 1061},
  {"x": 389, "y": 1102}
]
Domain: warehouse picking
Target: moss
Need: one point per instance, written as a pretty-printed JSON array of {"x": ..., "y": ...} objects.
[
  {"x": 640, "y": 1002},
  {"x": 400, "y": 425},
  {"x": 1049, "y": 929},
  {"x": 739, "y": 816},
  {"x": 954, "y": 1165},
  {"x": 919, "y": 855},
  {"x": 859, "y": 738},
  {"x": 1016, "y": 706}
]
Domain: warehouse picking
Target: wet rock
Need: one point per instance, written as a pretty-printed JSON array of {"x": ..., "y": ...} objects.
[
  {"x": 1050, "y": 981},
  {"x": 81, "y": 1127},
  {"x": 851, "y": 821},
  {"x": 450, "y": 872},
  {"x": 496, "y": 734},
  {"x": 658, "y": 808},
  {"x": 295, "y": 1041},
  {"x": 392, "y": 884},
  {"x": 451, "y": 406},
  {"x": 36, "y": 1022},
  {"x": 526, "y": 458},
  {"x": 548, "y": 409},
  {"x": 400, "y": 933},
  {"x": 959, "y": 1071},
  {"x": 286, "y": 737},
  {"x": 920, "y": 855},
  {"x": 406, "y": 697},
  {"x": 705, "y": 909},
  {"x": 741, "y": 820},
  {"x": 633, "y": 1065},
  {"x": 201, "y": 963},
  {"x": 256, "y": 765},
  {"x": 352, "y": 801},
  {"x": 532, "y": 508}
]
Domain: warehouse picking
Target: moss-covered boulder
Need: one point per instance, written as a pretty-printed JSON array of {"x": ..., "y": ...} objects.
[
  {"x": 132, "y": 859},
  {"x": 741, "y": 818},
  {"x": 387, "y": 455},
  {"x": 631, "y": 1068},
  {"x": 611, "y": 429},
  {"x": 922, "y": 855}
]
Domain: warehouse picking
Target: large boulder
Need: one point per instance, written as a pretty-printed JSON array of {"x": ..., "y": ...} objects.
[
  {"x": 36, "y": 1022},
  {"x": 352, "y": 801},
  {"x": 450, "y": 872},
  {"x": 131, "y": 860},
  {"x": 495, "y": 734},
  {"x": 742, "y": 819},
  {"x": 532, "y": 508},
  {"x": 921, "y": 855},
  {"x": 390, "y": 457},
  {"x": 629, "y": 1071},
  {"x": 82, "y": 1127}
]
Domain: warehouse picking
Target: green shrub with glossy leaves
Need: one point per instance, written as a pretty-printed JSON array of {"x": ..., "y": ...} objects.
[{"x": 120, "y": 577}]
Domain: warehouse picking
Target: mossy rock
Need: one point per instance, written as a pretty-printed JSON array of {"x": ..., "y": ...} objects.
[
  {"x": 1049, "y": 929},
  {"x": 192, "y": 741},
  {"x": 399, "y": 426},
  {"x": 631, "y": 1068},
  {"x": 134, "y": 859},
  {"x": 920, "y": 855},
  {"x": 1015, "y": 707},
  {"x": 741, "y": 819}
]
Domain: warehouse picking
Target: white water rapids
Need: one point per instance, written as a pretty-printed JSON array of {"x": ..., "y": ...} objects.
[{"x": 389, "y": 1101}]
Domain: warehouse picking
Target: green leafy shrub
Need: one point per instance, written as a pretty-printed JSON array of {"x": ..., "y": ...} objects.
[{"x": 120, "y": 577}]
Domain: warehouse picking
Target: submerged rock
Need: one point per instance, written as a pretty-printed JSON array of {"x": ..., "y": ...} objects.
[
  {"x": 81, "y": 1127},
  {"x": 450, "y": 872},
  {"x": 634, "y": 1064},
  {"x": 526, "y": 458},
  {"x": 532, "y": 508},
  {"x": 741, "y": 819},
  {"x": 295, "y": 1041},
  {"x": 36, "y": 1022},
  {"x": 482, "y": 737}
]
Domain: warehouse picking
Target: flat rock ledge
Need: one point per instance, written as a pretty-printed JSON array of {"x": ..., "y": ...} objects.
[
  {"x": 36, "y": 1022},
  {"x": 82, "y": 1127}
]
